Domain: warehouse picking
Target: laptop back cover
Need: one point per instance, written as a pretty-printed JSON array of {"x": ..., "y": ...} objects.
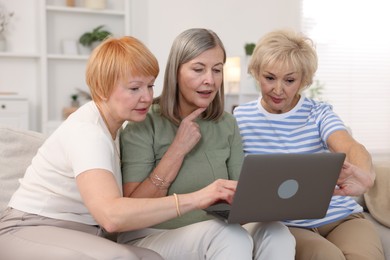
[{"x": 275, "y": 187}]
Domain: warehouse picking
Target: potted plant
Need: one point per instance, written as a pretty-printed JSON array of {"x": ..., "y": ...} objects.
[
  {"x": 5, "y": 18},
  {"x": 249, "y": 47},
  {"x": 75, "y": 100},
  {"x": 93, "y": 38},
  {"x": 249, "y": 80}
]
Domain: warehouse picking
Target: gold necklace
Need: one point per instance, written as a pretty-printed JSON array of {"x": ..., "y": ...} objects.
[{"x": 108, "y": 128}]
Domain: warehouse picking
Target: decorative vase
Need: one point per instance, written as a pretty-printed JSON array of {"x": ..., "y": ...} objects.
[
  {"x": 70, "y": 3},
  {"x": 95, "y": 4},
  {"x": 95, "y": 44},
  {"x": 84, "y": 50},
  {"x": 3, "y": 42},
  {"x": 75, "y": 103}
]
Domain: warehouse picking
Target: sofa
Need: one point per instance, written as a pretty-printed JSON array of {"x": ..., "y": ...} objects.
[{"x": 17, "y": 147}]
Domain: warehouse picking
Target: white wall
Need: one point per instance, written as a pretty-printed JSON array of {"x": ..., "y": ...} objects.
[{"x": 157, "y": 23}]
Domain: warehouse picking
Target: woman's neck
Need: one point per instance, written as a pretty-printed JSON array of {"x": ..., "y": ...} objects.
[{"x": 108, "y": 119}]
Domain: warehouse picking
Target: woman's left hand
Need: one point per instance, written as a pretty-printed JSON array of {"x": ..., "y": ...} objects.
[{"x": 353, "y": 181}]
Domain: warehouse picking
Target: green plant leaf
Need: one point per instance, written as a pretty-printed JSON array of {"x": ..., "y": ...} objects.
[{"x": 97, "y": 34}]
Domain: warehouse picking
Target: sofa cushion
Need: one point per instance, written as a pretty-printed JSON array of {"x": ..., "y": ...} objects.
[
  {"x": 383, "y": 232},
  {"x": 17, "y": 148},
  {"x": 378, "y": 197}
]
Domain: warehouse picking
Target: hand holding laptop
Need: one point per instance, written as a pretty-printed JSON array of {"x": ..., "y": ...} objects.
[{"x": 353, "y": 181}]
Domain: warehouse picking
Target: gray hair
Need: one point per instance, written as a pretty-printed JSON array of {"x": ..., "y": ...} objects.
[{"x": 187, "y": 46}]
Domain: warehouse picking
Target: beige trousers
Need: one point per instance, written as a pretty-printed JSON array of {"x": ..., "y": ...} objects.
[
  {"x": 352, "y": 238},
  {"x": 29, "y": 236}
]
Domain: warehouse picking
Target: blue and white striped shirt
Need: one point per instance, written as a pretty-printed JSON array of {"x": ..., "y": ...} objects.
[{"x": 304, "y": 129}]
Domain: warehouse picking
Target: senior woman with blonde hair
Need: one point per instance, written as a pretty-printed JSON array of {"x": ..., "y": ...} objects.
[{"x": 283, "y": 120}]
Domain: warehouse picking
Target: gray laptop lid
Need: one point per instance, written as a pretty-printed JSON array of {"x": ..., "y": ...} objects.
[{"x": 275, "y": 187}]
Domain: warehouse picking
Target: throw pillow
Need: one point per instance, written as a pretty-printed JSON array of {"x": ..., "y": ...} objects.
[{"x": 17, "y": 148}]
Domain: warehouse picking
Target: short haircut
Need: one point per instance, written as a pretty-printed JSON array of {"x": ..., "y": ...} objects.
[
  {"x": 116, "y": 59},
  {"x": 285, "y": 47}
]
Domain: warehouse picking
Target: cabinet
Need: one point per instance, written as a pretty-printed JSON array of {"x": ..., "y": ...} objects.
[
  {"x": 14, "y": 112},
  {"x": 35, "y": 65}
]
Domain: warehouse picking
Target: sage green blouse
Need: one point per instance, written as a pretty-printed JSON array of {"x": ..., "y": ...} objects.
[{"x": 218, "y": 155}]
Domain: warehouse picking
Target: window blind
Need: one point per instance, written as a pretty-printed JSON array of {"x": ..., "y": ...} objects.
[{"x": 353, "y": 45}]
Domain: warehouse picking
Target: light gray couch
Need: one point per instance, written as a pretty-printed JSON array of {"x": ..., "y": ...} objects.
[{"x": 17, "y": 147}]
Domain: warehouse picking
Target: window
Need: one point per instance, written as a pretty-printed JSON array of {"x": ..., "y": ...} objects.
[{"x": 353, "y": 45}]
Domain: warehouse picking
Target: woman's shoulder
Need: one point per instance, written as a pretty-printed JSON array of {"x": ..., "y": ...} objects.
[
  {"x": 227, "y": 118},
  {"x": 84, "y": 121},
  {"x": 317, "y": 105},
  {"x": 247, "y": 106}
]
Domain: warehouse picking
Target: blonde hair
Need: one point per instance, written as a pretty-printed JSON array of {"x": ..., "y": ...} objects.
[
  {"x": 115, "y": 59},
  {"x": 288, "y": 47},
  {"x": 188, "y": 45}
]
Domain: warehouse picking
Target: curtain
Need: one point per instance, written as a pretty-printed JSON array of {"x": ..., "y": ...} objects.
[{"x": 352, "y": 38}]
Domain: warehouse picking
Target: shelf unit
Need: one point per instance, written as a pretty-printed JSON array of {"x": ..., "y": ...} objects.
[
  {"x": 63, "y": 74},
  {"x": 35, "y": 68},
  {"x": 20, "y": 86},
  {"x": 20, "y": 66}
]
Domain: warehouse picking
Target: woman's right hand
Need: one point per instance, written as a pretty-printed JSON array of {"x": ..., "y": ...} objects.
[
  {"x": 188, "y": 134},
  {"x": 220, "y": 190}
]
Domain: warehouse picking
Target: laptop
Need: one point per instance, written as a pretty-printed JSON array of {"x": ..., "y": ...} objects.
[{"x": 277, "y": 187}]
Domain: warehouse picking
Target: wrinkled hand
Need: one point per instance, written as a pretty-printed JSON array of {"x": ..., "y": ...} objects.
[
  {"x": 220, "y": 190},
  {"x": 353, "y": 181},
  {"x": 188, "y": 134}
]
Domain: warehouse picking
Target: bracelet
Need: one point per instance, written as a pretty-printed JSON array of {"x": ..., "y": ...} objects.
[
  {"x": 177, "y": 204},
  {"x": 159, "y": 182}
]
